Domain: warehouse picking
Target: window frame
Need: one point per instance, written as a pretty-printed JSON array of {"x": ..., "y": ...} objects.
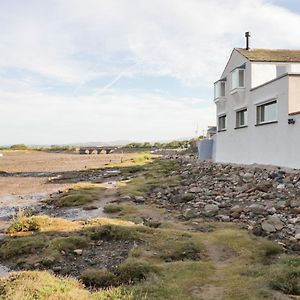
[
  {"x": 259, "y": 113},
  {"x": 237, "y": 120},
  {"x": 225, "y": 122},
  {"x": 232, "y": 74},
  {"x": 218, "y": 89}
]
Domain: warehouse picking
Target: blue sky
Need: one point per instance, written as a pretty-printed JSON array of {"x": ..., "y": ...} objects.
[{"x": 102, "y": 70}]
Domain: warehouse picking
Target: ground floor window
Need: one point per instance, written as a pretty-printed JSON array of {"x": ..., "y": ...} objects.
[
  {"x": 241, "y": 118},
  {"x": 266, "y": 112},
  {"x": 222, "y": 123}
]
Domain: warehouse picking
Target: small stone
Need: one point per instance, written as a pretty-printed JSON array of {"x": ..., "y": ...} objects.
[
  {"x": 257, "y": 209},
  {"x": 295, "y": 203},
  {"x": 139, "y": 199},
  {"x": 297, "y": 236},
  {"x": 195, "y": 190},
  {"x": 211, "y": 210},
  {"x": 248, "y": 177},
  {"x": 78, "y": 251},
  {"x": 281, "y": 186},
  {"x": 266, "y": 226},
  {"x": 190, "y": 213}
]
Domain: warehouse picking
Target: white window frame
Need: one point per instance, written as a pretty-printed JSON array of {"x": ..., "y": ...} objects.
[
  {"x": 236, "y": 72},
  {"x": 220, "y": 91},
  {"x": 225, "y": 123},
  {"x": 259, "y": 113},
  {"x": 237, "y": 119}
]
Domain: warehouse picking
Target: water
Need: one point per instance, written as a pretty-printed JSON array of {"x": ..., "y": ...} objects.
[{"x": 4, "y": 270}]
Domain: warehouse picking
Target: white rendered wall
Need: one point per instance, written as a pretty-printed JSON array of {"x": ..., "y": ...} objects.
[
  {"x": 273, "y": 144},
  {"x": 262, "y": 72}
]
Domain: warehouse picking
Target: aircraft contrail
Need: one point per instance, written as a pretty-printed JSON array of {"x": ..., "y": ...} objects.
[{"x": 113, "y": 82}]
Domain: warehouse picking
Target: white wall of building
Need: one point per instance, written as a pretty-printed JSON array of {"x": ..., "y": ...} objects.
[{"x": 273, "y": 144}]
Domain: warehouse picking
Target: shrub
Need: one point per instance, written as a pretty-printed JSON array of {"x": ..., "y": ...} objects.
[{"x": 98, "y": 278}]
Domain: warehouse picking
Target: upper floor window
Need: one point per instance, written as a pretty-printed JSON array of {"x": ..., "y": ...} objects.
[
  {"x": 237, "y": 78},
  {"x": 220, "y": 89},
  {"x": 222, "y": 123},
  {"x": 266, "y": 112},
  {"x": 241, "y": 118},
  {"x": 280, "y": 70}
]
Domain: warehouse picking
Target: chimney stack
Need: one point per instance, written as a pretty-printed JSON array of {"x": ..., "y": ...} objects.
[{"x": 247, "y": 35}]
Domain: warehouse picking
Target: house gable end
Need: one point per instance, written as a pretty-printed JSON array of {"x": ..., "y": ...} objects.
[{"x": 236, "y": 59}]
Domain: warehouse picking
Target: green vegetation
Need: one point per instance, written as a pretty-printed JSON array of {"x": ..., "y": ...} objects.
[
  {"x": 99, "y": 278},
  {"x": 285, "y": 276},
  {"x": 155, "y": 176},
  {"x": 18, "y": 147},
  {"x": 185, "y": 144},
  {"x": 121, "y": 209},
  {"x": 129, "y": 272},
  {"x": 164, "y": 264},
  {"x": 77, "y": 196},
  {"x": 68, "y": 243}
]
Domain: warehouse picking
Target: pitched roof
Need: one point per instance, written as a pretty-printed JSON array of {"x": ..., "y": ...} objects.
[{"x": 272, "y": 55}]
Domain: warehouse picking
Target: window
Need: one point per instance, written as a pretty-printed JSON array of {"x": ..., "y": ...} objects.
[
  {"x": 222, "y": 123},
  {"x": 266, "y": 113},
  {"x": 220, "y": 89},
  {"x": 237, "y": 78},
  {"x": 241, "y": 118}
]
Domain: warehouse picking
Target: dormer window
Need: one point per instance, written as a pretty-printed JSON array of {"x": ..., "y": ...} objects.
[
  {"x": 220, "y": 89},
  {"x": 238, "y": 78}
]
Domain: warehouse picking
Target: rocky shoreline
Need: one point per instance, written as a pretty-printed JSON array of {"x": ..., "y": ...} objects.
[{"x": 265, "y": 200}]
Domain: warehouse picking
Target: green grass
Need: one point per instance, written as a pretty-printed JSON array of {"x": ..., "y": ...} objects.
[
  {"x": 77, "y": 196},
  {"x": 68, "y": 243},
  {"x": 156, "y": 175},
  {"x": 165, "y": 263},
  {"x": 285, "y": 276},
  {"x": 122, "y": 209}
]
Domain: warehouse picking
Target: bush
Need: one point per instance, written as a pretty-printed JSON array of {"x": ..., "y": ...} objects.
[{"x": 98, "y": 278}]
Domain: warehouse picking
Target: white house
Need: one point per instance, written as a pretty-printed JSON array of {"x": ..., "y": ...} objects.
[{"x": 258, "y": 108}]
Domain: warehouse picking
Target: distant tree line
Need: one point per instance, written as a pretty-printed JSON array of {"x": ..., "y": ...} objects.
[{"x": 185, "y": 144}]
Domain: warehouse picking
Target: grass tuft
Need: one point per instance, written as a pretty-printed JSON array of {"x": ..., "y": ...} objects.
[
  {"x": 23, "y": 223},
  {"x": 77, "y": 196},
  {"x": 98, "y": 278}
]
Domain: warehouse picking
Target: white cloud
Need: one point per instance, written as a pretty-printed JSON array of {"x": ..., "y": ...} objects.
[
  {"x": 72, "y": 42},
  {"x": 53, "y": 119}
]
